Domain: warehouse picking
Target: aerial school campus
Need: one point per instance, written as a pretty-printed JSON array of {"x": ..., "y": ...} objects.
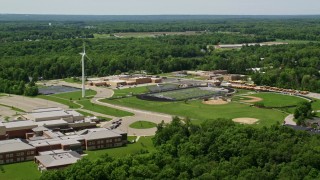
[
  {"x": 59, "y": 127},
  {"x": 189, "y": 97}
]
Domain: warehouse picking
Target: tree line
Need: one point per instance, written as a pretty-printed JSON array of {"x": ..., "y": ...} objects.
[{"x": 216, "y": 149}]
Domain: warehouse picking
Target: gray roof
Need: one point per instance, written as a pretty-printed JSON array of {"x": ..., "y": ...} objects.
[
  {"x": 61, "y": 159},
  {"x": 39, "y": 129},
  {"x": 48, "y": 114},
  {"x": 52, "y": 123},
  {"x": 47, "y": 109},
  {"x": 100, "y": 134},
  {"x": 13, "y": 145},
  {"x": 22, "y": 123}
]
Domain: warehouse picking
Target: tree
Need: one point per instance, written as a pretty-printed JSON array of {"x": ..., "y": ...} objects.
[{"x": 303, "y": 111}]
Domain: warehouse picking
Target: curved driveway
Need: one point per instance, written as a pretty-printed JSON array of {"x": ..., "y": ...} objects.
[{"x": 103, "y": 93}]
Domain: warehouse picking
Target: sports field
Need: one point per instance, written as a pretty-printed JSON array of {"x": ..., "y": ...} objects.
[
  {"x": 278, "y": 100},
  {"x": 182, "y": 94},
  {"x": 200, "y": 112}
]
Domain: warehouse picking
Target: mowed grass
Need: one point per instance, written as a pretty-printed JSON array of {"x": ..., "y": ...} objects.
[
  {"x": 144, "y": 143},
  {"x": 77, "y": 95},
  {"x": 130, "y": 91},
  {"x": 19, "y": 171},
  {"x": 200, "y": 112},
  {"x": 72, "y": 80},
  {"x": 66, "y": 102},
  {"x": 103, "y": 109},
  {"x": 278, "y": 100},
  {"x": 143, "y": 125}
]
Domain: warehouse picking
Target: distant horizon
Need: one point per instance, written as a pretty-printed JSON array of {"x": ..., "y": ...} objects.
[
  {"x": 162, "y": 14},
  {"x": 161, "y": 7}
]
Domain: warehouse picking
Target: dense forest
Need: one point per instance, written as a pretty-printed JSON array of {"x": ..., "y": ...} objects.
[
  {"x": 217, "y": 149},
  {"x": 39, "y": 50}
]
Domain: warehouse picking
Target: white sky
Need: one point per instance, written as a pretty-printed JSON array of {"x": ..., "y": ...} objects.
[{"x": 159, "y": 7}]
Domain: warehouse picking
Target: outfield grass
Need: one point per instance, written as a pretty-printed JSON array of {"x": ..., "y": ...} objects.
[
  {"x": 201, "y": 112},
  {"x": 18, "y": 171},
  {"x": 103, "y": 109},
  {"x": 278, "y": 100},
  {"x": 143, "y": 125},
  {"x": 144, "y": 143},
  {"x": 129, "y": 91}
]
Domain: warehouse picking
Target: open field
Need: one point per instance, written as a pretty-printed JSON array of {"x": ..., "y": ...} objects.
[
  {"x": 278, "y": 100},
  {"x": 19, "y": 171},
  {"x": 200, "y": 112},
  {"x": 143, "y": 125},
  {"x": 103, "y": 109},
  {"x": 75, "y": 95},
  {"x": 84, "y": 113},
  {"x": 144, "y": 143},
  {"x": 66, "y": 102}
]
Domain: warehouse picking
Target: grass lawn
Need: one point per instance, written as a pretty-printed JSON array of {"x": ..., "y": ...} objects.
[
  {"x": 103, "y": 109},
  {"x": 66, "y": 102},
  {"x": 316, "y": 104},
  {"x": 2, "y": 95},
  {"x": 201, "y": 112},
  {"x": 24, "y": 170},
  {"x": 278, "y": 100},
  {"x": 84, "y": 113},
  {"x": 144, "y": 143},
  {"x": 143, "y": 125},
  {"x": 129, "y": 91},
  {"x": 77, "y": 95},
  {"x": 72, "y": 80}
]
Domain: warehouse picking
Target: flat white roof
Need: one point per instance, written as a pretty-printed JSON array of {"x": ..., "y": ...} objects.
[
  {"x": 100, "y": 133},
  {"x": 52, "y": 123},
  {"x": 14, "y": 145},
  {"x": 22, "y": 123},
  {"x": 47, "y": 114},
  {"x": 61, "y": 159},
  {"x": 47, "y": 109}
]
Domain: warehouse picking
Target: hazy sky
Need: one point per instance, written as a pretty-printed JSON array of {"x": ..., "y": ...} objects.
[{"x": 142, "y": 7}]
